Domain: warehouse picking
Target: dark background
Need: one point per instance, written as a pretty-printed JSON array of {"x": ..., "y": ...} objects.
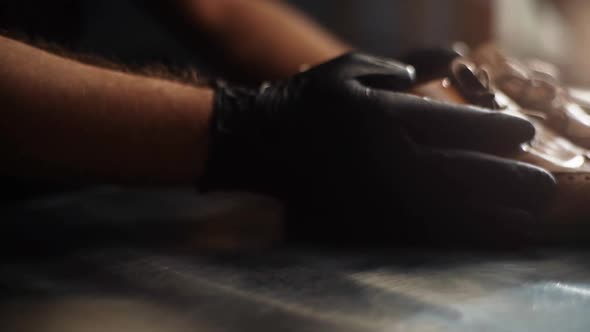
[{"x": 120, "y": 31}]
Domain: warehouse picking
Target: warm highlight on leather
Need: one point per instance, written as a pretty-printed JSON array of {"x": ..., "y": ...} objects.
[{"x": 489, "y": 79}]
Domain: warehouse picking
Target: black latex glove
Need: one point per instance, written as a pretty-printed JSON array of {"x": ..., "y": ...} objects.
[
  {"x": 337, "y": 142},
  {"x": 434, "y": 62}
]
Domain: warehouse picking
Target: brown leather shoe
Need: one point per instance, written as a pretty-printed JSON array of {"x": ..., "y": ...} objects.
[
  {"x": 473, "y": 84},
  {"x": 536, "y": 87}
]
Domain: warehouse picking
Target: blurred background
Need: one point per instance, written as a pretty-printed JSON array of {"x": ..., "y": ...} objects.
[{"x": 554, "y": 30}]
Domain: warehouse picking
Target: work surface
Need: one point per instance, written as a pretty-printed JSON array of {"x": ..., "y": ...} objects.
[{"x": 131, "y": 288}]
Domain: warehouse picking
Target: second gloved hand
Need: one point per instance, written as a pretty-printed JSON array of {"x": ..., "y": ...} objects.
[{"x": 343, "y": 135}]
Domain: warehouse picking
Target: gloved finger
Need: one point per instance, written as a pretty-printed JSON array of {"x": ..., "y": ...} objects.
[
  {"x": 376, "y": 72},
  {"x": 458, "y": 175},
  {"x": 447, "y": 125},
  {"x": 477, "y": 223},
  {"x": 433, "y": 62}
]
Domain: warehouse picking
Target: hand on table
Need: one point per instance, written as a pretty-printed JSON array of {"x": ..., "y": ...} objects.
[{"x": 343, "y": 141}]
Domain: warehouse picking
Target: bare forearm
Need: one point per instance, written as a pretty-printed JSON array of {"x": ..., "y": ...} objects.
[
  {"x": 61, "y": 118},
  {"x": 266, "y": 37}
]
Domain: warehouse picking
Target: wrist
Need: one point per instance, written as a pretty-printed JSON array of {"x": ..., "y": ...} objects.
[{"x": 237, "y": 141}]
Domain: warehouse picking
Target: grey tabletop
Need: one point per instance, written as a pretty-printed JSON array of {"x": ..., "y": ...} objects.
[{"x": 135, "y": 288}]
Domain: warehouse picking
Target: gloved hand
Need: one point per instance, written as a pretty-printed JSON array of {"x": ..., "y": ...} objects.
[
  {"x": 338, "y": 142},
  {"x": 434, "y": 62}
]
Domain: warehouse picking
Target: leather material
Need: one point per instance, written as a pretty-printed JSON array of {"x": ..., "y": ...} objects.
[
  {"x": 536, "y": 87},
  {"x": 561, "y": 125}
]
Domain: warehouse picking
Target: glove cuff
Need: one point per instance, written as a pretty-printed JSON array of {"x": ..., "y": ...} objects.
[{"x": 238, "y": 153}]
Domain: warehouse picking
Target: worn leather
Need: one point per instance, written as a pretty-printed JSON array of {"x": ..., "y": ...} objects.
[
  {"x": 562, "y": 129},
  {"x": 535, "y": 86}
]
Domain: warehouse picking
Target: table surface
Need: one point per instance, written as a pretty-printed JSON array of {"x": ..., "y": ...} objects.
[{"x": 133, "y": 288}]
